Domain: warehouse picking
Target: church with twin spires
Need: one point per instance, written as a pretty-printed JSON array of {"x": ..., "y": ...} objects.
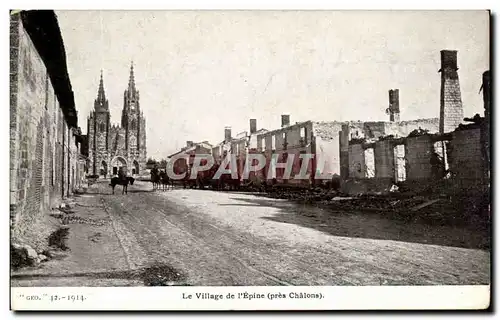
[{"x": 115, "y": 147}]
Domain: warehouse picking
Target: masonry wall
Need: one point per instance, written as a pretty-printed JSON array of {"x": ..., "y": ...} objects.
[
  {"x": 384, "y": 159},
  {"x": 466, "y": 160},
  {"x": 418, "y": 151},
  {"x": 40, "y": 163},
  {"x": 238, "y": 147},
  {"x": 404, "y": 128},
  {"x": 356, "y": 161},
  {"x": 289, "y": 145},
  {"x": 344, "y": 151}
]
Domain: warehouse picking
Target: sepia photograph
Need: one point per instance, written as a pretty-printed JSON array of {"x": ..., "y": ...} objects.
[{"x": 243, "y": 159}]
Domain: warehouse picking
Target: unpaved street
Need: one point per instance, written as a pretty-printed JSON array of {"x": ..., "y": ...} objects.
[{"x": 220, "y": 238}]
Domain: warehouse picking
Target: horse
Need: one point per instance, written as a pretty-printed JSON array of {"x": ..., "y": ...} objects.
[
  {"x": 166, "y": 182},
  {"x": 155, "y": 179},
  {"x": 123, "y": 181}
]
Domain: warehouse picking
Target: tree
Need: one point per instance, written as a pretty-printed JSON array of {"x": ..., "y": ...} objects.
[{"x": 151, "y": 161}]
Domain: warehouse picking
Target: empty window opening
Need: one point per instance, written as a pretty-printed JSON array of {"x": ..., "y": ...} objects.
[
  {"x": 369, "y": 163},
  {"x": 400, "y": 161},
  {"x": 273, "y": 143},
  {"x": 303, "y": 135}
]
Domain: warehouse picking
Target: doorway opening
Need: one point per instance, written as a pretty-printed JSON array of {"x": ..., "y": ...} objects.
[
  {"x": 400, "y": 160},
  {"x": 369, "y": 163}
]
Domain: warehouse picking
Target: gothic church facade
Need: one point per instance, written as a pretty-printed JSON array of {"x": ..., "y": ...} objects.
[{"x": 115, "y": 147}]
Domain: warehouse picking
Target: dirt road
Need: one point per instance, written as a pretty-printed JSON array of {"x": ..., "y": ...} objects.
[{"x": 201, "y": 237}]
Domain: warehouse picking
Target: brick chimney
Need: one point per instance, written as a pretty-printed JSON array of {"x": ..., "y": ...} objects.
[
  {"x": 486, "y": 88},
  {"x": 485, "y": 130},
  {"x": 189, "y": 144},
  {"x": 227, "y": 134},
  {"x": 285, "y": 120},
  {"x": 253, "y": 126},
  {"x": 451, "y": 110},
  {"x": 394, "y": 105}
]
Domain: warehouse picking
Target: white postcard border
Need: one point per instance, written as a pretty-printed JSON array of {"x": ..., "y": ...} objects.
[{"x": 252, "y": 298}]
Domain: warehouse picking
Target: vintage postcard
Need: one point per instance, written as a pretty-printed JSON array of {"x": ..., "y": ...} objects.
[{"x": 249, "y": 160}]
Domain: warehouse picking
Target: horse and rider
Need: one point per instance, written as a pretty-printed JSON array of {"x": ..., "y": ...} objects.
[
  {"x": 160, "y": 179},
  {"x": 122, "y": 180}
]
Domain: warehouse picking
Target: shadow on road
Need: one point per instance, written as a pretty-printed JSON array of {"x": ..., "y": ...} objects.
[
  {"x": 118, "y": 192},
  {"x": 157, "y": 274},
  {"x": 141, "y": 191},
  {"x": 368, "y": 225}
]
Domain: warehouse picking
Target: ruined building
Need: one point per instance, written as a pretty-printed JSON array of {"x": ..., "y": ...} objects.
[
  {"x": 456, "y": 151},
  {"x": 113, "y": 147}
]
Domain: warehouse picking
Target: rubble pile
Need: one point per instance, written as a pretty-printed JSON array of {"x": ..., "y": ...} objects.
[
  {"x": 436, "y": 210},
  {"x": 23, "y": 255},
  {"x": 418, "y": 132},
  {"x": 303, "y": 195},
  {"x": 423, "y": 206}
]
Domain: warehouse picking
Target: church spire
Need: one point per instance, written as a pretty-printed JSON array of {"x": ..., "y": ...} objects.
[
  {"x": 100, "y": 94},
  {"x": 131, "y": 80},
  {"x": 101, "y": 103}
]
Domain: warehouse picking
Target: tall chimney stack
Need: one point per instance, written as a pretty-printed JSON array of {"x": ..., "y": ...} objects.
[
  {"x": 485, "y": 130},
  {"x": 285, "y": 120},
  {"x": 227, "y": 134},
  {"x": 451, "y": 110},
  {"x": 394, "y": 105},
  {"x": 486, "y": 87},
  {"x": 253, "y": 126}
]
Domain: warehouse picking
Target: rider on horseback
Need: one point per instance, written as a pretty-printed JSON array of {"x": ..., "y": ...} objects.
[
  {"x": 154, "y": 171},
  {"x": 155, "y": 177},
  {"x": 121, "y": 174}
]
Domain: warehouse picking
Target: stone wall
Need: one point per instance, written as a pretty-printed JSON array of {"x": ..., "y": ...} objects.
[
  {"x": 404, "y": 128},
  {"x": 42, "y": 147},
  {"x": 466, "y": 160},
  {"x": 356, "y": 161},
  {"x": 418, "y": 153},
  {"x": 384, "y": 159}
]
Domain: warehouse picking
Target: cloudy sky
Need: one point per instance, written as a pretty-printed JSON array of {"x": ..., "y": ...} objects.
[{"x": 199, "y": 71}]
